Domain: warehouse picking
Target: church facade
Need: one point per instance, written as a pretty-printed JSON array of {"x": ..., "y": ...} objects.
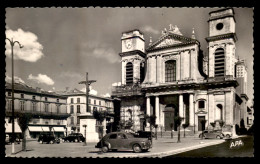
[{"x": 172, "y": 77}]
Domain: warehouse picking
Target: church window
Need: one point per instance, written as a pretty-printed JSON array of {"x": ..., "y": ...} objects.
[
  {"x": 170, "y": 71},
  {"x": 201, "y": 104},
  {"x": 219, "y": 62},
  {"x": 141, "y": 72},
  {"x": 129, "y": 73}
]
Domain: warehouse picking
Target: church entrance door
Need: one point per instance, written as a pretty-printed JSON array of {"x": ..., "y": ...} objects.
[
  {"x": 201, "y": 126},
  {"x": 170, "y": 113}
]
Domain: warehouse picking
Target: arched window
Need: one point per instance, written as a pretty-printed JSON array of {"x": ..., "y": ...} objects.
[
  {"x": 141, "y": 72},
  {"x": 219, "y": 62},
  {"x": 170, "y": 71},
  {"x": 129, "y": 73}
]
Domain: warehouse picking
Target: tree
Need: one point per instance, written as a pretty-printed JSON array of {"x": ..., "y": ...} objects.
[
  {"x": 184, "y": 127},
  {"x": 213, "y": 124},
  {"x": 151, "y": 119},
  {"x": 156, "y": 126},
  {"x": 221, "y": 123},
  {"x": 178, "y": 121},
  {"x": 23, "y": 121},
  {"x": 171, "y": 125},
  {"x": 100, "y": 116}
]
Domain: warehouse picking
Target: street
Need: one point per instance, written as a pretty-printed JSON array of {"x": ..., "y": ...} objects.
[
  {"x": 222, "y": 150},
  {"x": 163, "y": 147}
]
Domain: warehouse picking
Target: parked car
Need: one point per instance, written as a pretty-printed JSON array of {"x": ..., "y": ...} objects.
[
  {"x": 9, "y": 138},
  {"x": 227, "y": 134},
  {"x": 48, "y": 138},
  {"x": 212, "y": 134},
  {"x": 123, "y": 141},
  {"x": 74, "y": 137}
]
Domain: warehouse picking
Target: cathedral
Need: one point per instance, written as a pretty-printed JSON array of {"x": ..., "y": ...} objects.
[{"x": 171, "y": 77}]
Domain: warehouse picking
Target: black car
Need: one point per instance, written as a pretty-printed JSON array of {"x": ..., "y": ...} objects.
[
  {"x": 74, "y": 137},
  {"x": 48, "y": 138},
  {"x": 123, "y": 141}
]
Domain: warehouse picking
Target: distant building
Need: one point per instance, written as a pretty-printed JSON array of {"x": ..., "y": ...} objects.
[
  {"x": 76, "y": 106},
  {"x": 48, "y": 109},
  {"x": 171, "y": 77}
]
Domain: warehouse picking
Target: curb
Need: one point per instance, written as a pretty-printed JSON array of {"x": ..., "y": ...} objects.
[{"x": 173, "y": 152}]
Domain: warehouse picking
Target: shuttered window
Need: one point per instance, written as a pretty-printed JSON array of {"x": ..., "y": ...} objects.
[
  {"x": 219, "y": 62},
  {"x": 129, "y": 73}
]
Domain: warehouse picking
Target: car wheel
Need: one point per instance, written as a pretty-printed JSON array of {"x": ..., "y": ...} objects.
[
  {"x": 228, "y": 136},
  {"x": 41, "y": 142},
  {"x": 104, "y": 149},
  {"x": 218, "y": 137},
  {"x": 51, "y": 142},
  {"x": 137, "y": 148},
  {"x": 76, "y": 140}
]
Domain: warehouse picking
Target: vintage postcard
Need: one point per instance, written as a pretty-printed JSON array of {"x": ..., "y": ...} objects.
[{"x": 129, "y": 82}]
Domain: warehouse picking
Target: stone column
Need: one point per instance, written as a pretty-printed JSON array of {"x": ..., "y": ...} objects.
[
  {"x": 181, "y": 105},
  {"x": 157, "y": 110},
  {"x": 148, "y": 109},
  {"x": 191, "y": 109}
]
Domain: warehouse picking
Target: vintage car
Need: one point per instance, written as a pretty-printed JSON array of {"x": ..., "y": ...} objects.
[
  {"x": 74, "y": 137},
  {"x": 227, "y": 134},
  {"x": 212, "y": 134},
  {"x": 123, "y": 141},
  {"x": 48, "y": 138}
]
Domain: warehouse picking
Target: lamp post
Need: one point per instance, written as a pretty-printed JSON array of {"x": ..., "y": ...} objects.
[
  {"x": 85, "y": 142},
  {"x": 87, "y": 83},
  {"x": 12, "y": 43}
]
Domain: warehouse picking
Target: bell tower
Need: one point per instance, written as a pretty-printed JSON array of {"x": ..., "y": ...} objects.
[
  {"x": 133, "y": 57},
  {"x": 221, "y": 43}
]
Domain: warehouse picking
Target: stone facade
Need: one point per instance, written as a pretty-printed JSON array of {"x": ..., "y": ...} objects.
[{"x": 187, "y": 88}]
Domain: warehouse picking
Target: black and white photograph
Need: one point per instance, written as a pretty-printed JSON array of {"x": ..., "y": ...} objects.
[{"x": 117, "y": 82}]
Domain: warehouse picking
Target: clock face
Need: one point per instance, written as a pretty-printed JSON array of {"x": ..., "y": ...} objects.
[{"x": 128, "y": 44}]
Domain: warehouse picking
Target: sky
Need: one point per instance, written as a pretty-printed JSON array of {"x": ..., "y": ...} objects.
[{"x": 62, "y": 44}]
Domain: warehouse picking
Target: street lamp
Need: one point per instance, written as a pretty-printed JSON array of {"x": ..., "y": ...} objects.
[
  {"x": 12, "y": 43},
  {"x": 85, "y": 142}
]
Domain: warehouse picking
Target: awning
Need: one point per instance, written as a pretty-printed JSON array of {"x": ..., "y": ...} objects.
[
  {"x": 8, "y": 128},
  {"x": 58, "y": 129},
  {"x": 35, "y": 128},
  {"x": 45, "y": 129}
]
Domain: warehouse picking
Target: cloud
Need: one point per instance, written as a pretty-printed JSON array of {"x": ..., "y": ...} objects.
[
  {"x": 149, "y": 29},
  {"x": 106, "y": 53},
  {"x": 41, "y": 79},
  {"x": 91, "y": 92},
  {"x": 106, "y": 95},
  {"x": 16, "y": 79},
  {"x": 101, "y": 51},
  {"x": 32, "y": 49}
]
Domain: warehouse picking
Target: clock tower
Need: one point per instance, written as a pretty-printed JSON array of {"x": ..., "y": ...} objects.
[
  {"x": 221, "y": 43},
  {"x": 133, "y": 57}
]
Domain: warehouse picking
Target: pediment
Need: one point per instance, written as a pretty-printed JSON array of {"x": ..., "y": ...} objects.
[{"x": 169, "y": 40}]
